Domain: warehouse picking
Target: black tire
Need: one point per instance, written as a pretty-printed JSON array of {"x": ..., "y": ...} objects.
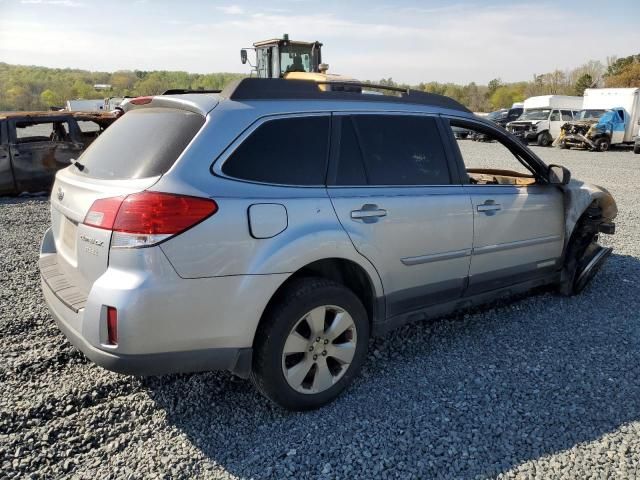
[
  {"x": 299, "y": 298},
  {"x": 602, "y": 144},
  {"x": 636, "y": 148},
  {"x": 544, "y": 139}
]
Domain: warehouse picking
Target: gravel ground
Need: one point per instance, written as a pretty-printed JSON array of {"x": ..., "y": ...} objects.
[{"x": 543, "y": 386}]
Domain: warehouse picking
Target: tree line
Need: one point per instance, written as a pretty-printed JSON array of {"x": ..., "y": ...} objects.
[{"x": 37, "y": 88}]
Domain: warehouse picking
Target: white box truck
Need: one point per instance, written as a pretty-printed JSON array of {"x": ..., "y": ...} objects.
[
  {"x": 86, "y": 105},
  {"x": 543, "y": 116},
  {"x": 609, "y": 116}
]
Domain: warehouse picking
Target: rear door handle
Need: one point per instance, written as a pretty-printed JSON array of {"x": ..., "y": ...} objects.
[{"x": 369, "y": 213}]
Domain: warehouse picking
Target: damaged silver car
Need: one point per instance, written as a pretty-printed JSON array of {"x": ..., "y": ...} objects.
[{"x": 272, "y": 228}]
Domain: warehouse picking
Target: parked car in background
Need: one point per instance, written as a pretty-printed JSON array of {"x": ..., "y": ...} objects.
[
  {"x": 543, "y": 116},
  {"x": 35, "y": 145},
  {"x": 505, "y": 115},
  {"x": 501, "y": 118},
  {"x": 610, "y": 117},
  {"x": 219, "y": 245}
]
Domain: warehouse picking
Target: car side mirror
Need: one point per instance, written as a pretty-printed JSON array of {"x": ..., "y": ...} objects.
[
  {"x": 558, "y": 175},
  {"x": 243, "y": 56}
]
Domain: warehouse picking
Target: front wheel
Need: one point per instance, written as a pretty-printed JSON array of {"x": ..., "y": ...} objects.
[
  {"x": 310, "y": 345},
  {"x": 545, "y": 139},
  {"x": 602, "y": 144},
  {"x": 636, "y": 148}
]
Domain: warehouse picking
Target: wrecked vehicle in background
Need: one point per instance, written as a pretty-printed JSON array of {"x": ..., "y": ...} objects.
[
  {"x": 610, "y": 117},
  {"x": 543, "y": 117},
  {"x": 35, "y": 145}
]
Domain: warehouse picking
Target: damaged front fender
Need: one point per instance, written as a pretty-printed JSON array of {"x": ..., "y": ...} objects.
[{"x": 579, "y": 196}]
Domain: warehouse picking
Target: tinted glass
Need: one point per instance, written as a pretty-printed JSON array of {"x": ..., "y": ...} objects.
[
  {"x": 566, "y": 115},
  {"x": 288, "y": 151},
  {"x": 142, "y": 143},
  {"x": 350, "y": 168},
  {"x": 402, "y": 150}
]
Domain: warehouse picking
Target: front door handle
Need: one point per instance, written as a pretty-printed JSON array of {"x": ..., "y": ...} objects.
[
  {"x": 368, "y": 213},
  {"x": 489, "y": 207}
]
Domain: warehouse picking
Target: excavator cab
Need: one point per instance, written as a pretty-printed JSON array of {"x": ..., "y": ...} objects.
[{"x": 277, "y": 58}]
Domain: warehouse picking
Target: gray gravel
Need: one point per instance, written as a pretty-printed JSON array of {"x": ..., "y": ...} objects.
[{"x": 543, "y": 386}]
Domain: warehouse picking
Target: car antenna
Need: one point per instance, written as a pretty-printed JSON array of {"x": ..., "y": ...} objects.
[{"x": 77, "y": 164}]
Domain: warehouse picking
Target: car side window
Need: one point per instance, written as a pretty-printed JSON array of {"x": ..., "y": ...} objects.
[
  {"x": 555, "y": 116},
  {"x": 487, "y": 159},
  {"x": 44, "y": 131},
  {"x": 566, "y": 115},
  {"x": 286, "y": 151},
  {"x": 401, "y": 150}
]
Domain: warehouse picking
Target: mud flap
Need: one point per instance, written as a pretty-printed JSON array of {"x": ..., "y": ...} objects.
[{"x": 589, "y": 266}]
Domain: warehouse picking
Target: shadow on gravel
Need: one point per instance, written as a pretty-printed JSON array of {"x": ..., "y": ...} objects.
[{"x": 473, "y": 395}]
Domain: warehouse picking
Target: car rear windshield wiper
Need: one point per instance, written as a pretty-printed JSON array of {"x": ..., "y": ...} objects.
[{"x": 77, "y": 164}]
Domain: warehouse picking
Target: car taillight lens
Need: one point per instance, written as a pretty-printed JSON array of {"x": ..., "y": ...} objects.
[{"x": 147, "y": 218}]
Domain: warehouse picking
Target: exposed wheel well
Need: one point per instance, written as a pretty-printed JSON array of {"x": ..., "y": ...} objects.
[{"x": 340, "y": 270}]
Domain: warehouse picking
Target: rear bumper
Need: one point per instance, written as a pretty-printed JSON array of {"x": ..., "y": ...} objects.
[
  {"x": 166, "y": 324},
  {"x": 236, "y": 360}
]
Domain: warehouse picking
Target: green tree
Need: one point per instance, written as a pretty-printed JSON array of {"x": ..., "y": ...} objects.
[
  {"x": 50, "y": 99},
  {"x": 584, "y": 81}
]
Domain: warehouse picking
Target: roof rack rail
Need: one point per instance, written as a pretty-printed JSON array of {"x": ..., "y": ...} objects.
[
  {"x": 277, "y": 88},
  {"x": 182, "y": 91},
  {"x": 406, "y": 90}
]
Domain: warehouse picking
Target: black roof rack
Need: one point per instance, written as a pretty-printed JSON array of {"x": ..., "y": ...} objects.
[
  {"x": 278, "y": 88},
  {"x": 182, "y": 91}
]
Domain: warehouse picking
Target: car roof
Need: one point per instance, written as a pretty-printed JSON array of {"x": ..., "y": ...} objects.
[
  {"x": 57, "y": 114},
  {"x": 278, "y": 95}
]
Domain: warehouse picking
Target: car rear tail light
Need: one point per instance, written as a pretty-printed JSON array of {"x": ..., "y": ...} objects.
[
  {"x": 147, "y": 218},
  {"x": 112, "y": 326},
  {"x": 103, "y": 212}
]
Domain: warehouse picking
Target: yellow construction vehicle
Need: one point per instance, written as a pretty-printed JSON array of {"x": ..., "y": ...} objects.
[{"x": 285, "y": 58}]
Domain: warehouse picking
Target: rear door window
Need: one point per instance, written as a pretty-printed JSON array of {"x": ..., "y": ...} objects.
[
  {"x": 43, "y": 131},
  {"x": 142, "y": 143},
  {"x": 566, "y": 115},
  {"x": 285, "y": 151},
  {"x": 401, "y": 150}
]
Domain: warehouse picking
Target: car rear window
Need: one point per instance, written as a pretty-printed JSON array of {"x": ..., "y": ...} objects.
[
  {"x": 142, "y": 143},
  {"x": 286, "y": 151}
]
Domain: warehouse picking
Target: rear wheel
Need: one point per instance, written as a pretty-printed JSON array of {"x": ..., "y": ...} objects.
[
  {"x": 636, "y": 148},
  {"x": 545, "y": 139},
  {"x": 310, "y": 345}
]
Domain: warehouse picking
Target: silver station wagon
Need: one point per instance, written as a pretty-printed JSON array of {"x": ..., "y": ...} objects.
[{"x": 272, "y": 228}]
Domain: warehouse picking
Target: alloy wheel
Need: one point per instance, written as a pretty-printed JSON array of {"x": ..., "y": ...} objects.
[{"x": 319, "y": 349}]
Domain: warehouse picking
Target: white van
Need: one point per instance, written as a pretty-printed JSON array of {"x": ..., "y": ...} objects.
[{"x": 543, "y": 116}]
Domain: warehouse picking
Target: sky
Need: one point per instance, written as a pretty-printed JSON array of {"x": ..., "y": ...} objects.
[{"x": 410, "y": 41}]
